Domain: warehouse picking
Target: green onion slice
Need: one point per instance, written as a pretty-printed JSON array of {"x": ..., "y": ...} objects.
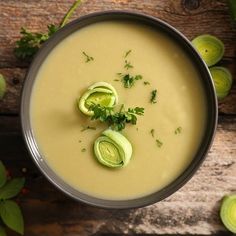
[
  {"x": 232, "y": 8},
  {"x": 112, "y": 149},
  {"x": 2, "y": 86},
  {"x": 222, "y": 80},
  {"x": 228, "y": 212},
  {"x": 210, "y": 48},
  {"x": 99, "y": 93}
]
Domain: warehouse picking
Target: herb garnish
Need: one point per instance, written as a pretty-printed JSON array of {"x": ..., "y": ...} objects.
[
  {"x": 10, "y": 211},
  {"x": 146, "y": 83},
  {"x": 88, "y": 127},
  {"x": 88, "y": 58},
  {"x": 83, "y": 150},
  {"x": 116, "y": 120},
  {"x": 128, "y": 65},
  {"x": 2, "y": 86},
  {"x": 127, "y": 53},
  {"x": 159, "y": 143},
  {"x": 30, "y": 42},
  {"x": 178, "y": 130},
  {"x": 129, "y": 80},
  {"x": 152, "y": 132},
  {"x": 153, "y": 96}
]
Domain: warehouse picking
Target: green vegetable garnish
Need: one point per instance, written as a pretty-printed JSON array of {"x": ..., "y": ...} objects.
[
  {"x": 222, "y": 80},
  {"x": 88, "y": 58},
  {"x": 210, "y": 48},
  {"x": 100, "y": 93},
  {"x": 10, "y": 212},
  {"x": 2, "y": 86},
  {"x": 159, "y": 143},
  {"x": 129, "y": 80},
  {"x": 232, "y": 8},
  {"x": 112, "y": 149},
  {"x": 228, "y": 212},
  {"x": 30, "y": 42},
  {"x": 146, "y": 83},
  {"x": 128, "y": 65},
  {"x": 116, "y": 120},
  {"x": 178, "y": 130},
  {"x": 83, "y": 150},
  {"x": 127, "y": 53},
  {"x": 152, "y": 132},
  {"x": 153, "y": 98}
]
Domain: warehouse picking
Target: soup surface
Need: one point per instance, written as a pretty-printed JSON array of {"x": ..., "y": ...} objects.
[{"x": 177, "y": 118}]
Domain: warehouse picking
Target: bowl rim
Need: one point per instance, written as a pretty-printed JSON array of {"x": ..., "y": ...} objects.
[{"x": 202, "y": 151}]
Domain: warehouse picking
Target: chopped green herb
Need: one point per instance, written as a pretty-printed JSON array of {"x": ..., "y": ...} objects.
[
  {"x": 88, "y": 127},
  {"x": 127, "y": 53},
  {"x": 127, "y": 65},
  {"x": 146, "y": 83},
  {"x": 116, "y": 80},
  {"x": 138, "y": 77},
  {"x": 159, "y": 143},
  {"x": 152, "y": 132},
  {"x": 178, "y": 130},
  {"x": 153, "y": 96},
  {"x": 116, "y": 120},
  {"x": 79, "y": 141},
  {"x": 129, "y": 80},
  {"x": 88, "y": 58},
  {"x": 83, "y": 150},
  {"x": 30, "y": 42}
]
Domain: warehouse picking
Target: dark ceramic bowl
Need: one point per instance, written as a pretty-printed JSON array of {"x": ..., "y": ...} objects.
[{"x": 204, "y": 77}]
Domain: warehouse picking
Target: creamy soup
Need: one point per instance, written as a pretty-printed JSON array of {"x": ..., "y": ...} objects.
[{"x": 177, "y": 118}]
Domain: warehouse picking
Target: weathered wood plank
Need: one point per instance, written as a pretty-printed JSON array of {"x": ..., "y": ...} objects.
[
  {"x": 190, "y": 17},
  {"x": 193, "y": 209}
]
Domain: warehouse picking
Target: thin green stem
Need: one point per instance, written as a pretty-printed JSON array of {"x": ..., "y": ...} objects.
[{"x": 70, "y": 12}]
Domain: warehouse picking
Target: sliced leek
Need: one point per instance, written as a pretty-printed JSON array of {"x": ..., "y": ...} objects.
[
  {"x": 112, "y": 149},
  {"x": 100, "y": 93},
  {"x": 222, "y": 80},
  {"x": 210, "y": 48},
  {"x": 228, "y": 212}
]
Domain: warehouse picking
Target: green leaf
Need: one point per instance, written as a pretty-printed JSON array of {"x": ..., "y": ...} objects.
[
  {"x": 3, "y": 174},
  {"x": 2, "y": 86},
  {"x": 2, "y": 231},
  {"x": 12, "y": 188},
  {"x": 232, "y": 8},
  {"x": 12, "y": 216}
]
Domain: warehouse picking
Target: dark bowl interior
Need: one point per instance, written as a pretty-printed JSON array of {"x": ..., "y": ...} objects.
[{"x": 205, "y": 79}]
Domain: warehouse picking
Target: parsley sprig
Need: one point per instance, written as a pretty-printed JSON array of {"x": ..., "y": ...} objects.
[
  {"x": 30, "y": 42},
  {"x": 129, "y": 80},
  {"x": 153, "y": 98},
  {"x": 116, "y": 120}
]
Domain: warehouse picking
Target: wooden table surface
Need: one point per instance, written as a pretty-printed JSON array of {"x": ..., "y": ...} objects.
[{"x": 192, "y": 210}]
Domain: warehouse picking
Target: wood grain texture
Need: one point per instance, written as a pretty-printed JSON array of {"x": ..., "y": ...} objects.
[
  {"x": 193, "y": 209},
  {"x": 191, "y": 17}
]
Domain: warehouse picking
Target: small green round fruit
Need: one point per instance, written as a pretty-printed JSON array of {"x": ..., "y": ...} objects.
[{"x": 210, "y": 48}]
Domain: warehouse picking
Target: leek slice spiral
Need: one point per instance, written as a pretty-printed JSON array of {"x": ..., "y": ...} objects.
[
  {"x": 112, "y": 149},
  {"x": 228, "y": 212},
  {"x": 100, "y": 93}
]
